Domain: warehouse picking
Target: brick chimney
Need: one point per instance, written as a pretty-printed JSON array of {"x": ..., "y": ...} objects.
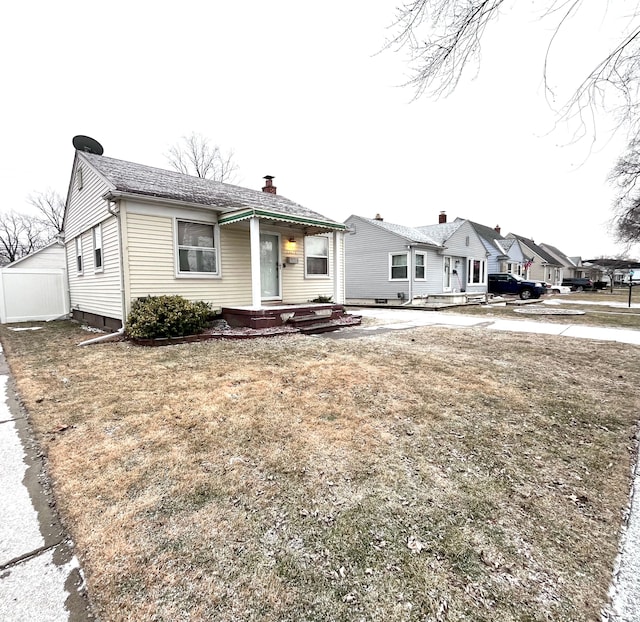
[
  {"x": 442, "y": 218},
  {"x": 497, "y": 229},
  {"x": 378, "y": 217},
  {"x": 268, "y": 185}
]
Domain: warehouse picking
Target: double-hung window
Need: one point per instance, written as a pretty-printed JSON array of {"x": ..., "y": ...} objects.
[
  {"x": 420, "y": 267},
  {"x": 97, "y": 248},
  {"x": 316, "y": 256},
  {"x": 196, "y": 248},
  {"x": 398, "y": 266},
  {"x": 476, "y": 271},
  {"x": 79, "y": 266}
]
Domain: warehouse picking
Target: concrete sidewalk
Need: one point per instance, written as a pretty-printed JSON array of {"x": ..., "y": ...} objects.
[
  {"x": 399, "y": 319},
  {"x": 40, "y": 578}
]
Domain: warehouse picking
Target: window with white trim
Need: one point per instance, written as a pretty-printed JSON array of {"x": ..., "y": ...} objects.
[
  {"x": 476, "y": 271},
  {"x": 97, "y": 249},
  {"x": 79, "y": 266},
  {"x": 316, "y": 255},
  {"x": 420, "y": 267},
  {"x": 398, "y": 266},
  {"x": 196, "y": 248}
]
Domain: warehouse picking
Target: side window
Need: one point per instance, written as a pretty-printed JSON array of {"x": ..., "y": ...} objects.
[
  {"x": 421, "y": 263},
  {"x": 79, "y": 266},
  {"x": 398, "y": 267},
  {"x": 97, "y": 249}
]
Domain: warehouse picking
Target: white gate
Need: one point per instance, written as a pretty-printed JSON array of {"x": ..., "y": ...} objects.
[{"x": 32, "y": 294}]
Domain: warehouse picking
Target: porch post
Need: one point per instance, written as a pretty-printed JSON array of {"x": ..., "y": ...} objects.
[
  {"x": 256, "y": 292},
  {"x": 338, "y": 267}
]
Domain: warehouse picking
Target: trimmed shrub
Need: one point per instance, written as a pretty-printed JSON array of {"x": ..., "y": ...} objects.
[{"x": 166, "y": 316}]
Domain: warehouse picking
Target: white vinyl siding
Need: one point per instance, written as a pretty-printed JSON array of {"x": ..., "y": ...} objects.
[
  {"x": 152, "y": 263},
  {"x": 101, "y": 292},
  {"x": 86, "y": 207}
]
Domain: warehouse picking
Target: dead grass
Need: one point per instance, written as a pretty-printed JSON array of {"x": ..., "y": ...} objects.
[{"x": 432, "y": 474}]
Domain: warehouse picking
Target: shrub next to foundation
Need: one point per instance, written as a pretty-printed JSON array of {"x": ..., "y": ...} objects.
[{"x": 166, "y": 316}]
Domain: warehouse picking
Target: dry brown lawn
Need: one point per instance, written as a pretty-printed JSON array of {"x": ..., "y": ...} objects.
[{"x": 432, "y": 474}]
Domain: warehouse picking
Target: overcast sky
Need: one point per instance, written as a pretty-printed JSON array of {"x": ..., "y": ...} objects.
[{"x": 300, "y": 91}]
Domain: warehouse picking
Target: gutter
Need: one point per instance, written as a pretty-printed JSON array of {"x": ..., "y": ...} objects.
[{"x": 114, "y": 209}]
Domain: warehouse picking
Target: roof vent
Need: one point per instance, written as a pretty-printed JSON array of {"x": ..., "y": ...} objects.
[{"x": 378, "y": 217}]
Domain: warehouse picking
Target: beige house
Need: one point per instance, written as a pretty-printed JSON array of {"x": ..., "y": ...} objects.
[{"x": 133, "y": 231}]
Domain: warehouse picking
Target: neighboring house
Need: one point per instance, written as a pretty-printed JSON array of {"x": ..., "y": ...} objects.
[
  {"x": 503, "y": 254},
  {"x": 570, "y": 268},
  {"x": 539, "y": 264},
  {"x": 133, "y": 231},
  {"x": 50, "y": 256},
  {"x": 391, "y": 263}
]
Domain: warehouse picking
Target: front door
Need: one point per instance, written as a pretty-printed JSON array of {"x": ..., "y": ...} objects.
[
  {"x": 270, "y": 266},
  {"x": 446, "y": 277}
]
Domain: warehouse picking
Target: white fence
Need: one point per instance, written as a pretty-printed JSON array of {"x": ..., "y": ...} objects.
[{"x": 32, "y": 294}]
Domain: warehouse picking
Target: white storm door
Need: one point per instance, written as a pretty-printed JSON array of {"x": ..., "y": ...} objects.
[
  {"x": 446, "y": 277},
  {"x": 270, "y": 266}
]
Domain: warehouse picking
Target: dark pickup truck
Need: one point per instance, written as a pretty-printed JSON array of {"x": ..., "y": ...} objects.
[
  {"x": 505, "y": 283},
  {"x": 578, "y": 285}
]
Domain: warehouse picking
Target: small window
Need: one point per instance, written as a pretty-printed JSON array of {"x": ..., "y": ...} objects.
[
  {"x": 196, "y": 248},
  {"x": 420, "y": 266},
  {"x": 398, "y": 267},
  {"x": 79, "y": 180},
  {"x": 79, "y": 266},
  {"x": 316, "y": 251},
  {"x": 476, "y": 269},
  {"x": 97, "y": 248}
]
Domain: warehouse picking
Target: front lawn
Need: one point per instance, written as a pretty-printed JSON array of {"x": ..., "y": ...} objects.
[{"x": 431, "y": 474}]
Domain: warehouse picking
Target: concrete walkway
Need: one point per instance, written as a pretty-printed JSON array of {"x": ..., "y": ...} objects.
[
  {"x": 399, "y": 319},
  {"x": 40, "y": 578}
]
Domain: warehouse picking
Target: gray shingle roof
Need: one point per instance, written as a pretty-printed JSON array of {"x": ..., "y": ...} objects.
[
  {"x": 550, "y": 259},
  {"x": 441, "y": 232},
  {"x": 412, "y": 234},
  {"x": 129, "y": 177}
]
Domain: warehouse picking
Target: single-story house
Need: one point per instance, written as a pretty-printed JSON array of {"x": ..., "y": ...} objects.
[
  {"x": 133, "y": 231},
  {"x": 390, "y": 263},
  {"x": 540, "y": 265},
  {"x": 503, "y": 254}
]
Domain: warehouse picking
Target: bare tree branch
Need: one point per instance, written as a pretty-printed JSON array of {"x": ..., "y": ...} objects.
[
  {"x": 195, "y": 155},
  {"x": 443, "y": 39},
  {"x": 19, "y": 236},
  {"x": 50, "y": 206}
]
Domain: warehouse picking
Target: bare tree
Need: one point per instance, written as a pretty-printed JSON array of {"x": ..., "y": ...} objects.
[
  {"x": 195, "y": 155},
  {"x": 50, "y": 206},
  {"x": 626, "y": 177},
  {"x": 20, "y": 235},
  {"x": 443, "y": 38}
]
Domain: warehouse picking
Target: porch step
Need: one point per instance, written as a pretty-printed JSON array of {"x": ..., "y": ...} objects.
[{"x": 320, "y": 327}]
